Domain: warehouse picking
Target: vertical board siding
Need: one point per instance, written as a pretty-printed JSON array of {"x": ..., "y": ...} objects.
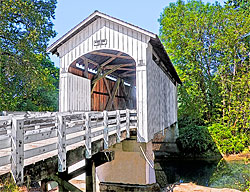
[
  {"x": 75, "y": 93},
  {"x": 118, "y": 38},
  {"x": 161, "y": 95}
]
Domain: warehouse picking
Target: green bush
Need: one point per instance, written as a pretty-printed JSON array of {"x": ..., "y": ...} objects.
[
  {"x": 228, "y": 139},
  {"x": 195, "y": 140}
]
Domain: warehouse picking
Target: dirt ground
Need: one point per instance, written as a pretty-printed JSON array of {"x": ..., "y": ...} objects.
[{"x": 191, "y": 187}]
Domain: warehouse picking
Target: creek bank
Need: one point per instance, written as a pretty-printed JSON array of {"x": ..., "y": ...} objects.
[
  {"x": 238, "y": 157},
  {"x": 187, "y": 187}
]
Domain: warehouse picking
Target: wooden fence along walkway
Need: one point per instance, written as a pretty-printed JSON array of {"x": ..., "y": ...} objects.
[{"x": 31, "y": 137}]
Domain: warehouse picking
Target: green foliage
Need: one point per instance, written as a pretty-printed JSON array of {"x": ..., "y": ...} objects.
[
  {"x": 195, "y": 140},
  {"x": 28, "y": 79},
  {"x": 209, "y": 46},
  {"x": 228, "y": 140},
  {"x": 240, "y": 4}
]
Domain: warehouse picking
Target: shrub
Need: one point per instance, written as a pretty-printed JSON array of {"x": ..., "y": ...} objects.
[{"x": 195, "y": 140}]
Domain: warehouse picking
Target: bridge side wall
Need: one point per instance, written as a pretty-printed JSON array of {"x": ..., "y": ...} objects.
[{"x": 161, "y": 98}]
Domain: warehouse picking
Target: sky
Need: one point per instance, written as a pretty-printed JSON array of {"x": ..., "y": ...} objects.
[{"x": 143, "y": 13}]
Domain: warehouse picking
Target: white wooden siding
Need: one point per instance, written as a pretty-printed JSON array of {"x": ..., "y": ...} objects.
[
  {"x": 75, "y": 94},
  {"x": 161, "y": 99},
  {"x": 118, "y": 38}
]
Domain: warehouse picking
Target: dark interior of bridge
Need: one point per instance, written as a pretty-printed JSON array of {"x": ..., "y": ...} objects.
[{"x": 113, "y": 78}]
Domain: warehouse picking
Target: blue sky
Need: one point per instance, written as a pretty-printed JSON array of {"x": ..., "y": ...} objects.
[{"x": 143, "y": 13}]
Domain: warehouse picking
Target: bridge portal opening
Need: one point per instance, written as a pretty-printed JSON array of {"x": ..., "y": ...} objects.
[{"x": 112, "y": 75}]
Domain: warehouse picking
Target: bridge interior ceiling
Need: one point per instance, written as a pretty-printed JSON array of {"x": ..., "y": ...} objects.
[{"x": 113, "y": 77}]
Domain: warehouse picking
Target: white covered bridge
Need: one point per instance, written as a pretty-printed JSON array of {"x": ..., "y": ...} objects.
[
  {"x": 114, "y": 77},
  {"x": 127, "y": 68}
]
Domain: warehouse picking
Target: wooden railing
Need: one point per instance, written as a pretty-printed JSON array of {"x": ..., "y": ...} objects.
[{"x": 62, "y": 130}]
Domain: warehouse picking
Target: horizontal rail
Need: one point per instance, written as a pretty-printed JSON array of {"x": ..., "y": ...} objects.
[
  {"x": 5, "y": 160},
  {"x": 39, "y": 150},
  {"x": 5, "y": 141},
  {"x": 40, "y": 136}
]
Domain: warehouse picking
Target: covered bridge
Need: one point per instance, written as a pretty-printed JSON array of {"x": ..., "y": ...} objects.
[{"x": 109, "y": 64}]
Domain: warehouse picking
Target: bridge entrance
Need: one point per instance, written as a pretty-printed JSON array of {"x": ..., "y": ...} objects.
[{"x": 112, "y": 76}]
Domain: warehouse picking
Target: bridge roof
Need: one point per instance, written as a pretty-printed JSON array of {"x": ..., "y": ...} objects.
[{"x": 154, "y": 40}]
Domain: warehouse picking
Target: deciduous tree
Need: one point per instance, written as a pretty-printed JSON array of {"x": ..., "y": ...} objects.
[
  {"x": 209, "y": 47},
  {"x": 25, "y": 29}
]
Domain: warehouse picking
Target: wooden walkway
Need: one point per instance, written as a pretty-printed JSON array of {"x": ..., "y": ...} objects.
[{"x": 26, "y": 139}]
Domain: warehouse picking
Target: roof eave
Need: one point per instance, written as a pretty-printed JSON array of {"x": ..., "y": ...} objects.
[{"x": 161, "y": 52}]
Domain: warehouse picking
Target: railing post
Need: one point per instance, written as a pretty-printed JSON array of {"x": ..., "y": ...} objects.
[
  {"x": 106, "y": 131},
  {"x": 118, "y": 127},
  {"x": 88, "y": 153},
  {"x": 127, "y": 122},
  {"x": 17, "y": 150},
  {"x": 61, "y": 143}
]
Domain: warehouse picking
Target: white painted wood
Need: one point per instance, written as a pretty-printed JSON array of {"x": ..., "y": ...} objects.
[
  {"x": 111, "y": 113},
  {"x": 61, "y": 143},
  {"x": 40, "y": 150},
  {"x": 123, "y": 112},
  {"x": 88, "y": 136},
  {"x": 38, "y": 131},
  {"x": 106, "y": 131},
  {"x": 123, "y": 127},
  {"x": 127, "y": 122},
  {"x": 5, "y": 141},
  {"x": 123, "y": 119},
  {"x": 141, "y": 95},
  {"x": 133, "y": 111},
  {"x": 95, "y": 124},
  {"x": 112, "y": 128},
  {"x": 74, "y": 129},
  {"x": 70, "y": 97},
  {"x": 118, "y": 37},
  {"x": 17, "y": 163},
  {"x": 111, "y": 121},
  {"x": 96, "y": 133},
  {"x": 40, "y": 136},
  {"x": 162, "y": 110},
  {"x": 5, "y": 160},
  {"x": 75, "y": 140},
  {"x": 118, "y": 127}
]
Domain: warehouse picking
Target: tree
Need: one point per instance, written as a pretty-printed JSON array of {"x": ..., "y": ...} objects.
[
  {"x": 240, "y": 4},
  {"x": 25, "y": 29},
  {"x": 207, "y": 43}
]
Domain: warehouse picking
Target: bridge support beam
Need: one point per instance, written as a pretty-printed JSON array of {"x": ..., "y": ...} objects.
[
  {"x": 90, "y": 175},
  {"x": 64, "y": 185},
  {"x": 63, "y": 178}
]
